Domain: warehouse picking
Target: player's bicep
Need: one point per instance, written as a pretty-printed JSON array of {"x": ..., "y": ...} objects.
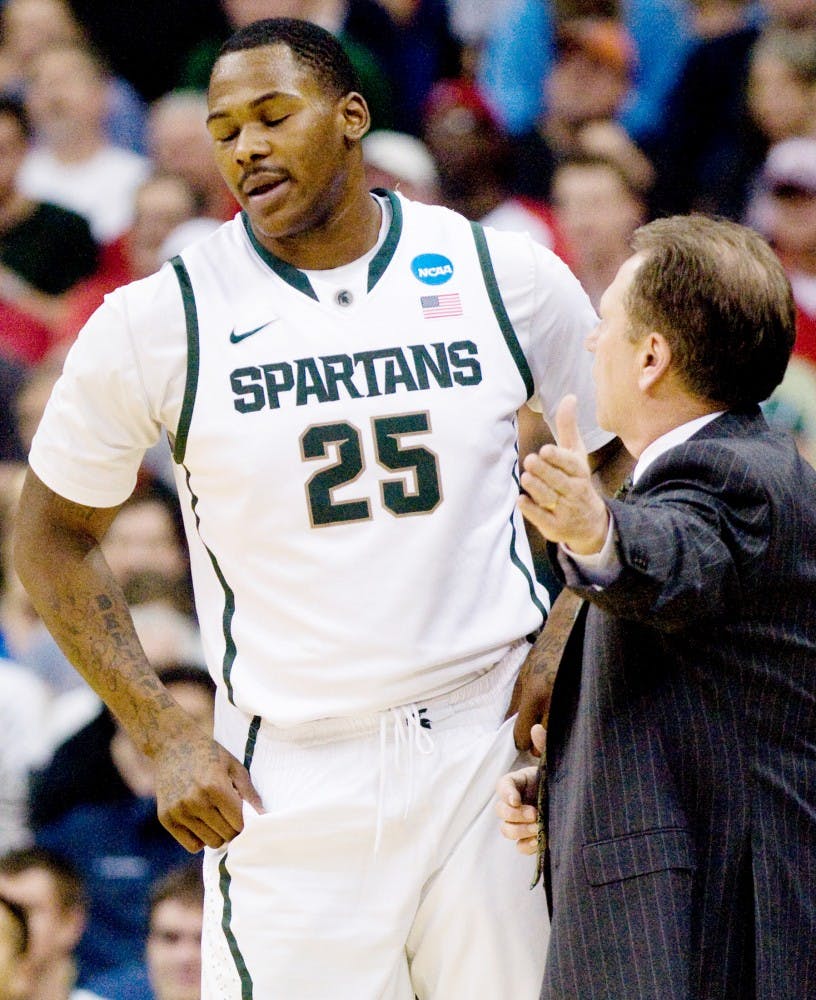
[{"x": 48, "y": 521}]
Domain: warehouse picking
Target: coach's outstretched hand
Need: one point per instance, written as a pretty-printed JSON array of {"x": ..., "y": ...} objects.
[
  {"x": 200, "y": 790},
  {"x": 561, "y": 499}
]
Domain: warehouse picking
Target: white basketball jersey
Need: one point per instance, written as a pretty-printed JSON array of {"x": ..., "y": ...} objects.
[{"x": 347, "y": 463}]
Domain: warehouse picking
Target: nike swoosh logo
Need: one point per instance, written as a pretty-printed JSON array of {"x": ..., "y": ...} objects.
[{"x": 236, "y": 338}]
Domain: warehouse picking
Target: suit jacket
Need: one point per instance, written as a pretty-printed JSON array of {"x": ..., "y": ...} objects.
[{"x": 681, "y": 745}]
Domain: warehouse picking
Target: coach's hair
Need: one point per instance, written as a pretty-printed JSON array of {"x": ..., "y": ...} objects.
[
  {"x": 68, "y": 883},
  {"x": 718, "y": 294},
  {"x": 185, "y": 884},
  {"x": 311, "y": 45}
]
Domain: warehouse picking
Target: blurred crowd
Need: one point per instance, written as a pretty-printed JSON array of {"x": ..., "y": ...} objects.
[{"x": 574, "y": 120}]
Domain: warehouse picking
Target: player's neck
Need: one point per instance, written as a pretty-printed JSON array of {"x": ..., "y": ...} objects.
[{"x": 344, "y": 236}]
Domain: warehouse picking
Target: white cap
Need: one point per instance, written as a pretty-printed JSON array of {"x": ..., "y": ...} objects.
[
  {"x": 400, "y": 154},
  {"x": 186, "y": 233},
  {"x": 792, "y": 164}
]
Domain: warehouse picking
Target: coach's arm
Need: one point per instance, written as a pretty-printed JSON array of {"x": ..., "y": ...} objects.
[{"x": 57, "y": 554}]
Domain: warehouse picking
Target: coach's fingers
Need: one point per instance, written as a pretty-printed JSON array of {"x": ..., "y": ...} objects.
[
  {"x": 566, "y": 426},
  {"x": 538, "y": 736},
  {"x": 517, "y": 790}
]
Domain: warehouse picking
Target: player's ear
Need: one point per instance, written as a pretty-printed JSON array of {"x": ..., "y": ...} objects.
[{"x": 355, "y": 116}]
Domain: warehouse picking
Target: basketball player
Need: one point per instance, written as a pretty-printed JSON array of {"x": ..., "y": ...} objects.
[{"x": 339, "y": 373}]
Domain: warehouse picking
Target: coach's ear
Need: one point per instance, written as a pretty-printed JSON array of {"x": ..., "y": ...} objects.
[
  {"x": 654, "y": 358},
  {"x": 355, "y": 115}
]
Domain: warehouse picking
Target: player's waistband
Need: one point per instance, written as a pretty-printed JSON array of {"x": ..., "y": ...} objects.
[{"x": 237, "y": 731}]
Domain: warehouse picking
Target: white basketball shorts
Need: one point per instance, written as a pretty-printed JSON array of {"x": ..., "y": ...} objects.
[{"x": 377, "y": 869}]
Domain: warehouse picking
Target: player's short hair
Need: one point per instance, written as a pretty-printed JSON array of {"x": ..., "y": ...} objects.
[
  {"x": 719, "y": 295},
  {"x": 20, "y": 921},
  {"x": 69, "y": 885},
  {"x": 184, "y": 884},
  {"x": 312, "y": 46},
  {"x": 13, "y": 107}
]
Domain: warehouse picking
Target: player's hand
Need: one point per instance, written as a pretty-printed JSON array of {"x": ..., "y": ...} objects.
[
  {"x": 561, "y": 500},
  {"x": 200, "y": 790},
  {"x": 517, "y": 793}
]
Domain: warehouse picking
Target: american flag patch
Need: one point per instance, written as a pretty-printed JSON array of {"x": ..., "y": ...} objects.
[{"x": 439, "y": 306}]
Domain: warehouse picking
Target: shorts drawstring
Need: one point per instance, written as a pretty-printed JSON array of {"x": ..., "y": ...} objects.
[{"x": 409, "y": 733}]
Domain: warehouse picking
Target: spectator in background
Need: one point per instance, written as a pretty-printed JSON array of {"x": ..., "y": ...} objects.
[
  {"x": 27, "y": 27},
  {"x": 364, "y": 28},
  {"x": 148, "y": 556},
  {"x": 24, "y": 746},
  {"x": 179, "y": 143},
  {"x": 44, "y": 249},
  {"x": 709, "y": 149},
  {"x": 401, "y": 162},
  {"x": 74, "y": 163},
  {"x": 147, "y": 42},
  {"x": 521, "y": 47},
  {"x": 782, "y": 83},
  {"x": 12, "y": 376},
  {"x": 794, "y": 14},
  {"x": 119, "y": 844},
  {"x": 471, "y": 152},
  {"x": 792, "y": 406},
  {"x": 587, "y": 85},
  {"x": 597, "y": 207},
  {"x": 51, "y": 892},
  {"x": 162, "y": 202},
  {"x": 171, "y": 969},
  {"x": 786, "y": 215},
  {"x": 14, "y": 976}
]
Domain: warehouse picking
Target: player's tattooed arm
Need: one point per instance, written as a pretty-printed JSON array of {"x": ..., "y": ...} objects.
[
  {"x": 57, "y": 552},
  {"x": 532, "y": 693}
]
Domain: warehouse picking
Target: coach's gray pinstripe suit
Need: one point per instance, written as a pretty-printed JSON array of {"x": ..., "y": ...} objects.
[{"x": 682, "y": 738}]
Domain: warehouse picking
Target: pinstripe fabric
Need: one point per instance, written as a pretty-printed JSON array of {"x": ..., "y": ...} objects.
[{"x": 682, "y": 737}]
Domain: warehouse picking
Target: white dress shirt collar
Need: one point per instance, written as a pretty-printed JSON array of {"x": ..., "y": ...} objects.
[{"x": 677, "y": 435}]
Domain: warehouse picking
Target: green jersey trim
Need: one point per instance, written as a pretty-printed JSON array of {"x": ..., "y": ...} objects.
[
  {"x": 284, "y": 270},
  {"x": 383, "y": 257},
  {"x": 229, "y": 601},
  {"x": 224, "y": 882},
  {"x": 300, "y": 282},
  {"x": 516, "y": 559},
  {"x": 252, "y": 737},
  {"x": 191, "y": 385},
  {"x": 506, "y": 327}
]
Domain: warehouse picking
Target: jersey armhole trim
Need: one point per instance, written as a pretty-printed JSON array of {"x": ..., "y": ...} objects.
[
  {"x": 191, "y": 384},
  {"x": 499, "y": 310}
]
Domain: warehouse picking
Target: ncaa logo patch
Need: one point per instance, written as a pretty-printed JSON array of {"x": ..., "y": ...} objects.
[{"x": 432, "y": 268}]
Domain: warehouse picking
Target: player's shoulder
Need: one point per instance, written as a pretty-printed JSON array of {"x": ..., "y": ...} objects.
[
  {"x": 438, "y": 220},
  {"x": 216, "y": 247},
  {"x": 160, "y": 296}
]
